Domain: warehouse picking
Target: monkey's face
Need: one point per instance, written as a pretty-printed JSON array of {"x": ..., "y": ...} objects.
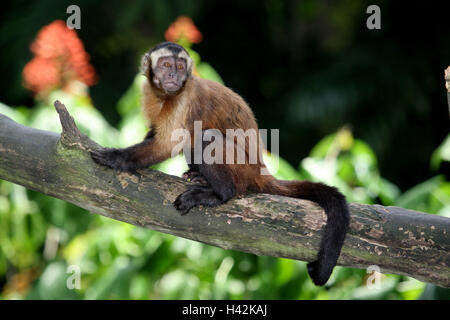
[{"x": 170, "y": 74}]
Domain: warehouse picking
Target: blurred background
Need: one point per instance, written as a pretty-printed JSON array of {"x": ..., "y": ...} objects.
[{"x": 363, "y": 110}]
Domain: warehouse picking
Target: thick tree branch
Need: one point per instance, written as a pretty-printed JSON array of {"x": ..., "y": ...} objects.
[{"x": 397, "y": 240}]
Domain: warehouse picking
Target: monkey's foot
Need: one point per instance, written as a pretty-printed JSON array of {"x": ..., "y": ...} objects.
[
  {"x": 190, "y": 198},
  {"x": 194, "y": 176},
  {"x": 185, "y": 202},
  {"x": 196, "y": 195}
]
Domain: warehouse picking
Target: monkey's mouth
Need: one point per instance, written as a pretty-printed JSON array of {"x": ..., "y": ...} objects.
[{"x": 170, "y": 85}]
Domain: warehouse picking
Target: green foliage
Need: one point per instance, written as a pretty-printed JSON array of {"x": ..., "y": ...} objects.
[
  {"x": 40, "y": 236},
  {"x": 441, "y": 154},
  {"x": 431, "y": 196},
  {"x": 351, "y": 165}
]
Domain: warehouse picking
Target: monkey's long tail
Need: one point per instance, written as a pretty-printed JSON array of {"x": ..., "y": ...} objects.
[{"x": 336, "y": 208}]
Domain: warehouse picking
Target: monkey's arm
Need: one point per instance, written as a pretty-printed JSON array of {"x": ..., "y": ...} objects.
[{"x": 140, "y": 155}]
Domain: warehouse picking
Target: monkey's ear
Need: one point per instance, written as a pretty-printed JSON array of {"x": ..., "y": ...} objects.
[{"x": 145, "y": 64}]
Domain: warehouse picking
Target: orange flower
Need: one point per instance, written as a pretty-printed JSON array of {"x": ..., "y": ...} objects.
[
  {"x": 183, "y": 27},
  {"x": 59, "y": 58},
  {"x": 41, "y": 74}
]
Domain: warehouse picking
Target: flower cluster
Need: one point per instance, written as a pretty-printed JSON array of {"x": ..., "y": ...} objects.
[
  {"x": 59, "y": 58},
  {"x": 181, "y": 28}
]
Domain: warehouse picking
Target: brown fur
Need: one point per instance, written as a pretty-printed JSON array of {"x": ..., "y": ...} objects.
[{"x": 218, "y": 107}]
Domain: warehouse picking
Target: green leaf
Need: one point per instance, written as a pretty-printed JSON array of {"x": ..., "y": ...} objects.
[
  {"x": 207, "y": 72},
  {"x": 442, "y": 153},
  {"x": 12, "y": 113},
  {"x": 280, "y": 168},
  {"x": 417, "y": 197}
]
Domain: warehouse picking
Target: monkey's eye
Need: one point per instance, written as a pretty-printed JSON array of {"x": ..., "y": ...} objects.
[
  {"x": 166, "y": 64},
  {"x": 180, "y": 67}
]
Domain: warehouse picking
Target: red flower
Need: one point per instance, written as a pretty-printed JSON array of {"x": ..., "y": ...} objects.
[
  {"x": 183, "y": 27},
  {"x": 59, "y": 58},
  {"x": 41, "y": 74}
]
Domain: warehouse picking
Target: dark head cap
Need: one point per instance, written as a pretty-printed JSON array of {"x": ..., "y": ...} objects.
[{"x": 165, "y": 49}]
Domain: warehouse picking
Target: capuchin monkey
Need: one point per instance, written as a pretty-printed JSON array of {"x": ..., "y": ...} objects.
[{"x": 173, "y": 99}]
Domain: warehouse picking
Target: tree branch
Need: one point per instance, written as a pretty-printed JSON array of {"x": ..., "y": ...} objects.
[{"x": 397, "y": 240}]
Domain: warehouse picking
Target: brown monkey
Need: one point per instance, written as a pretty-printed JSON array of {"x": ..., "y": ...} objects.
[{"x": 174, "y": 99}]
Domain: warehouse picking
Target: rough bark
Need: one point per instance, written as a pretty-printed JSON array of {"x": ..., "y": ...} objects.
[{"x": 397, "y": 240}]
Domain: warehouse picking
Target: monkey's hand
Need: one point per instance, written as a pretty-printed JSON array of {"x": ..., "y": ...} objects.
[{"x": 118, "y": 159}]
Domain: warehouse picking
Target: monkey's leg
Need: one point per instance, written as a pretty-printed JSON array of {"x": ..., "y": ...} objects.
[
  {"x": 138, "y": 156},
  {"x": 219, "y": 190}
]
